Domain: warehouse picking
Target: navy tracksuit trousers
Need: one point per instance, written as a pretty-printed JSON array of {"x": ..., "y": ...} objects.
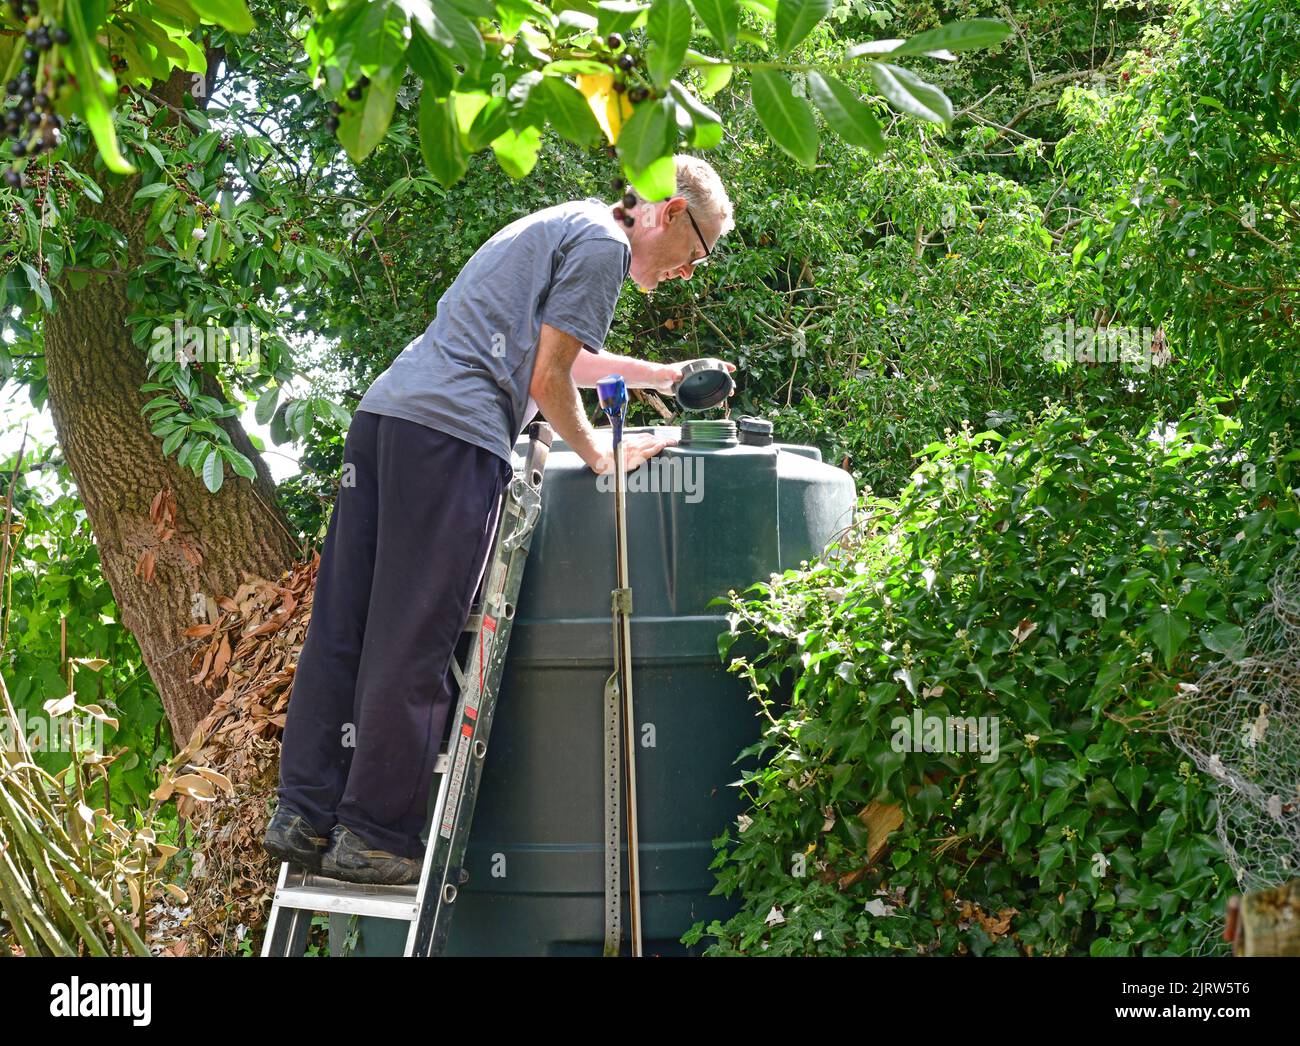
[{"x": 405, "y": 551}]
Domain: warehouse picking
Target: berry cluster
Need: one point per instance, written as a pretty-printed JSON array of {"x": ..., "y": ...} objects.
[
  {"x": 624, "y": 206},
  {"x": 627, "y": 62},
  {"x": 354, "y": 94},
  {"x": 27, "y": 114}
]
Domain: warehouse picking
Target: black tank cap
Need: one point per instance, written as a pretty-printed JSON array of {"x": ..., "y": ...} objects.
[
  {"x": 755, "y": 432},
  {"x": 705, "y": 383}
]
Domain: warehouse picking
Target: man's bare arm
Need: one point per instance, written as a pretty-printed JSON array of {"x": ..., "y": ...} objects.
[
  {"x": 557, "y": 396},
  {"x": 590, "y": 367}
]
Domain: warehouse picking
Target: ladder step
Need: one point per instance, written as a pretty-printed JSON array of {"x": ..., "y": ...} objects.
[
  {"x": 384, "y": 902},
  {"x": 474, "y": 623}
]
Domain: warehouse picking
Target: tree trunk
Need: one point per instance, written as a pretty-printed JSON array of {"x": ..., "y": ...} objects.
[{"x": 95, "y": 373}]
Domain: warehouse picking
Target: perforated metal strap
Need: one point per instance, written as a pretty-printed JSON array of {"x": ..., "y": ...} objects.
[{"x": 613, "y": 816}]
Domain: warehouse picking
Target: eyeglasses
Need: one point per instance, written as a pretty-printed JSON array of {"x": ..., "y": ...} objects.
[{"x": 703, "y": 243}]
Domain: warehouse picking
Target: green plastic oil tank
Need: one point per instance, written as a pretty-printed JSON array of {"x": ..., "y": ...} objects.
[{"x": 724, "y": 508}]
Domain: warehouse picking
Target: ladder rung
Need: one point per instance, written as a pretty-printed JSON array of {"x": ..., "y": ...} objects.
[
  {"x": 441, "y": 763},
  {"x": 384, "y": 902},
  {"x": 474, "y": 623}
]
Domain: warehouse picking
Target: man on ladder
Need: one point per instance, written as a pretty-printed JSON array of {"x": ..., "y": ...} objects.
[{"x": 430, "y": 451}]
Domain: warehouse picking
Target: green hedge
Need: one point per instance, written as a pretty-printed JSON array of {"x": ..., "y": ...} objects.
[{"x": 1064, "y": 577}]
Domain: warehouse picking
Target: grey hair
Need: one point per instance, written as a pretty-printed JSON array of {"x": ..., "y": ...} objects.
[{"x": 699, "y": 185}]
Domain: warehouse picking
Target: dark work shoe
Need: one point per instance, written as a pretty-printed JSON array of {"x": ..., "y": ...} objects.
[
  {"x": 291, "y": 838},
  {"x": 350, "y": 858}
]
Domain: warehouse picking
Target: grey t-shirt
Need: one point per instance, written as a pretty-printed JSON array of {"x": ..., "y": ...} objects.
[{"x": 468, "y": 374}]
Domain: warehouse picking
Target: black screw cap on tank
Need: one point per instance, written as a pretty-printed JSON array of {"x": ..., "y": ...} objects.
[
  {"x": 705, "y": 383},
  {"x": 755, "y": 432}
]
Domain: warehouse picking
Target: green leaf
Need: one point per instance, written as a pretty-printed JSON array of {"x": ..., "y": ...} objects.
[
  {"x": 457, "y": 34},
  {"x": 649, "y": 134},
  {"x": 174, "y": 439},
  {"x": 94, "y": 82},
  {"x": 241, "y": 465},
  {"x": 1225, "y": 639},
  {"x": 150, "y": 191},
  {"x": 668, "y": 28},
  {"x": 1129, "y": 781},
  {"x": 705, "y": 124},
  {"x": 279, "y": 428},
  {"x": 658, "y": 181},
  {"x": 568, "y": 112},
  {"x": 440, "y": 143},
  {"x": 619, "y": 16},
  {"x": 490, "y": 122},
  {"x": 229, "y": 14},
  {"x": 575, "y": 67},
  {"x": 430, "y": 63},
  {"x": 1032, "y": 769},
  {"x": 334, "y": 412},
  {"x": 795, "y": 19},
  {"x": 848, "y": 115},
  {"x": 970, "y": 35},
  {"x": 516, "y": 151},
  {"x": 214, "y": 470},
  {"x": 360, "y": 130},
  {"x": 1168, "y": 631},
  {"x": 908, "y": 93},
  {"x": 37, "y": 283},
  {"x": 788, "y": 119},
  {"x": 716, "y": 76},
  {"x": 266, "y": 404},
  {"x": 721, "y": 18}
]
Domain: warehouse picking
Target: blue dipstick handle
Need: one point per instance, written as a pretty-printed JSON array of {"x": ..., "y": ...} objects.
[{"x": 612, "y": 393}]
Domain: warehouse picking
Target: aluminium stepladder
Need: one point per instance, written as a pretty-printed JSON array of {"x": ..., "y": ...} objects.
[{"x": 427, "y": 906}]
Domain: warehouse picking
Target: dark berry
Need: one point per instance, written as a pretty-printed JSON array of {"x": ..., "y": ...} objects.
[
  {"x": 33, "y": 118},
  {"x": 335, "y": 108},
  {"x": 331, "y": 123},
  {"x": 62, "y": 36},
  {"x": 611, "y": 151},
  {"x": 626, "y": 62},
  {"x": 31, "y": 56},
  {"x": 628, "y": 220},
  {"x": 41, "y": 100},
  {"x": 613, "y": 41},
  {"x": 619, "y": 212},
  {"x": 11, "y": 87},
  {"x": 13, "y": 179},
  {"x": 354, "y": 93},
  {"x": 629, "y": 200},
  {"x": 30, "y": 36},
  {"x": 363, "y": 81},
  {"x": 619, "y": 86},
  {"x": 638, "y": 94},
  {"x": 19, "y": 149},
  {"x": 617, "y": 184},
  {"x": 25, "y": 89},
  {"x": 50, "y": 138}
]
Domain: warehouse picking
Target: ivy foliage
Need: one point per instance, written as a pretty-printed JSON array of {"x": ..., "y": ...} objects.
[{"x": 1052, "y": 585}]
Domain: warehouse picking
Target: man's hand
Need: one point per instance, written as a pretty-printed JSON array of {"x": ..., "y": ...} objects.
[
  {"x": 589, "y": 367},
  {"x": 638, "y": 447},
  {"x": 671, "y": 373}
]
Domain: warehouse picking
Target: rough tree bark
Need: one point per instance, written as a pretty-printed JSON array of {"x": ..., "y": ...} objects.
[{"x": 95, "y": 373}]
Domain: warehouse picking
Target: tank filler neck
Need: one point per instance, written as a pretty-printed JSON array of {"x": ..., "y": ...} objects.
[{"x": 719, "y": 432}]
